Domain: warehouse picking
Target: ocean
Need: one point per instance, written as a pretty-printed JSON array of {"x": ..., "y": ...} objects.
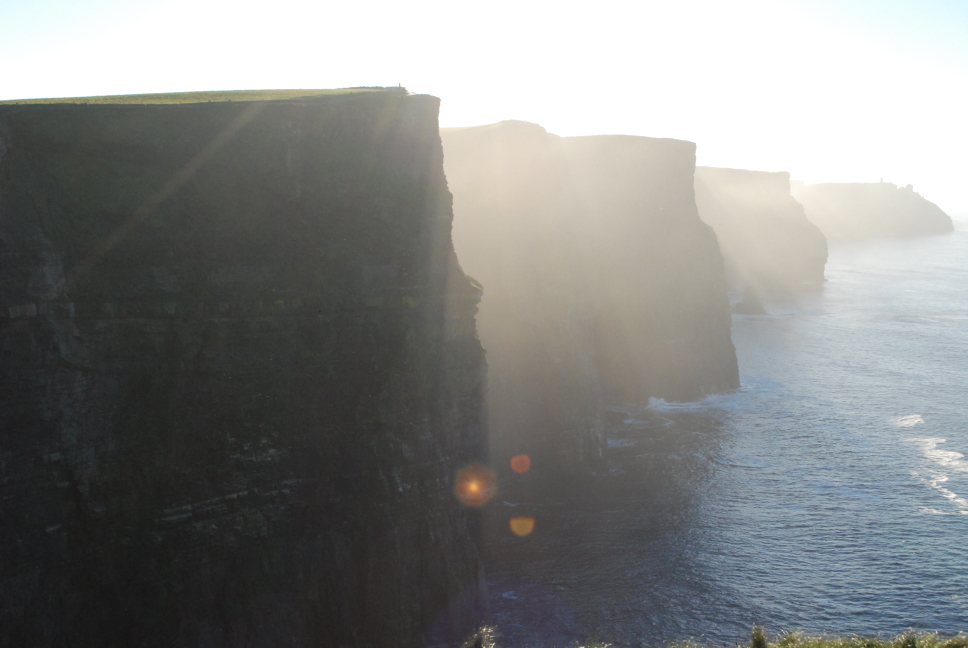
[{"x": 828, "y": 495}]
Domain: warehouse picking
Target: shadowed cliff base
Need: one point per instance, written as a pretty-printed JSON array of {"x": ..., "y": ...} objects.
[
  {"x": 600, "y": 282},
  {"x": 767, "y": 242},
  {"x": 856, "y": 211},
  {"x": 240, "y": 372}
]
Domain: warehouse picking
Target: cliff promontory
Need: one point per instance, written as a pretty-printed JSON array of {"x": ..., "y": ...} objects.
[
  {"x": 600, "y": 281},
  {"x": 768, "y": 244},
  {"x": 239, "y": 374},
  {"x": 862, "y": 210}
]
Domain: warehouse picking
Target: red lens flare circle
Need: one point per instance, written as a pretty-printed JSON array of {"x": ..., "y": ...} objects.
[{"x": 521, "y": 463}]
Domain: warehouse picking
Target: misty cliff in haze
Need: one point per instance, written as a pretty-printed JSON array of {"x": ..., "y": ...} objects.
[
  {"x": 600, "y": 280},
  {"x": 662, "y": 320},
  {"x": 854, "y": 211},
  {"x": 767, "y": 242},
  {"x": 239, "y": 373},
  {"x": 517, "y": 233}
]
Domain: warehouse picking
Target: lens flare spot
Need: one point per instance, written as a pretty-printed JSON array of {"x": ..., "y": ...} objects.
[
  {"x": 521, "y": 463},
  {"x": 475, "y": 484},
  {"x": 522, "y": 526}
]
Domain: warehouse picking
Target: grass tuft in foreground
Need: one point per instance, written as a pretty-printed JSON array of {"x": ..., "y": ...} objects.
[
  {"x": 486, "y": 638},
  {"x": 800, "y": 640}
]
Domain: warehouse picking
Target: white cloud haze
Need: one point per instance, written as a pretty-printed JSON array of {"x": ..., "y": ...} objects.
[{"x": 828, "y": 92}]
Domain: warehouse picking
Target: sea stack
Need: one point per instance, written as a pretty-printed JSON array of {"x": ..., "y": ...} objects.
[
  {"x": 863, "y": 210},
  {"x": 240, "y": 372},
  {"x": 600, "y": 282},
  {"x": 768, "y": 244}
]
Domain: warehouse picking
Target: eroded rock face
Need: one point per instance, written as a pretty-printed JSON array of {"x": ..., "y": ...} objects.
[
  {"x": 239, "y": 372},
  {"x": 767, "y": 242},
  {"x": 855, "y": 211},
  {"x": 600, "y": 281}
]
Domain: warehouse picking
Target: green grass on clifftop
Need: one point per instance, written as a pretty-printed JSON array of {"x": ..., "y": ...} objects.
[
  {"x": 201, "y": 97},
  {"x": 486, "y": 638}
]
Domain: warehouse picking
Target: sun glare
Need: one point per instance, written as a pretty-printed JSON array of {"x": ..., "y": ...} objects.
[{"x": 475, "y": 485}]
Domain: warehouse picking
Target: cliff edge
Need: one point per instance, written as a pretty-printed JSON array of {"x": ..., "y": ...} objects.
[{"x": 239, "y": 373}]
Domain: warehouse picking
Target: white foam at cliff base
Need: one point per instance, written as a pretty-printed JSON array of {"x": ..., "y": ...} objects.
[
  {"x": 907, "y": 421},
  {"x": 726, "y": 401},
  {"x": 948, "y": 459}
]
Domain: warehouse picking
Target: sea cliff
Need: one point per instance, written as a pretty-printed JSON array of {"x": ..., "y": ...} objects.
[
  {"x": 601, "y": 284},
  {"x": 516, "y": 231},
  {"x": 663, "y": 320},
  {"x": 239, "y": 373},
  {"x": 862, "y": 210},
  {"x": 768, "y": 244}
]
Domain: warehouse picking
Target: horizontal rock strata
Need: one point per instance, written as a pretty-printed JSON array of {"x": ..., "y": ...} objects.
[{"x": 239, "y": 373}]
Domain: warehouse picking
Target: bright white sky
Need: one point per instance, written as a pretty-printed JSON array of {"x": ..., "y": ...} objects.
[{"x": 830, "y": 91}]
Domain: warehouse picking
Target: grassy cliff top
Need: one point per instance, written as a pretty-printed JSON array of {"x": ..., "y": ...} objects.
[{"x": 202, "y": 97}]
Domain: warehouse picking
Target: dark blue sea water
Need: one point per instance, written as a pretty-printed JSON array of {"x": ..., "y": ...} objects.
[{"x": 829, "y": 495}]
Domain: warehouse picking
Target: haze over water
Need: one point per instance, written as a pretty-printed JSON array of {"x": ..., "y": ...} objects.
[{"x": 829, "y": 495}]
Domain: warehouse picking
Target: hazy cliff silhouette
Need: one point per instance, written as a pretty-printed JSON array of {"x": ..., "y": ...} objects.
[
  {"x": 663, "y": 322},
  {"x": 599, "y": 280},
  {"x": 767, "y": 242},
  {"x": 854, "y": 211},
  {"x": 518, "y": 234}
]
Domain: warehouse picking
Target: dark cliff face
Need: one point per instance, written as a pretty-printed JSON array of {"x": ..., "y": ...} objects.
[
  {"x": 239, "y": 373},
  {"x": 515, "y": 232},
  {"x": 599, "y": 280},
  {"x": 767, "y": 242},
  {"x": 855, "y": 211},
  {"x": 663, "y": 320}
]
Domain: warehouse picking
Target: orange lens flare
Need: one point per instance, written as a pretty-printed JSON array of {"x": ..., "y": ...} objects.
[
  {"x": 475, "y": 484},
  {"x": 522, "y": 526},
  {"x": 521, "y": 463}
]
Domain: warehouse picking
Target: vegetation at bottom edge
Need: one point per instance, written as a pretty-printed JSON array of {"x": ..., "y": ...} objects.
[{"x": 488, "y": 638}]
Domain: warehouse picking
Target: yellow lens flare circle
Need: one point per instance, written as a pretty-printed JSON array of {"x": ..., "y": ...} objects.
[
  {"x": 521, "y": 463},
  {"x": 475, "y": 485},
  {"x": 522, "y": 526}
]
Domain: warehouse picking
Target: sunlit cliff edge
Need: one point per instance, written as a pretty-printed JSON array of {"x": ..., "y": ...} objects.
[
  {"x": 856, "y": 211},
  {"x": 239, "y": 373}
]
